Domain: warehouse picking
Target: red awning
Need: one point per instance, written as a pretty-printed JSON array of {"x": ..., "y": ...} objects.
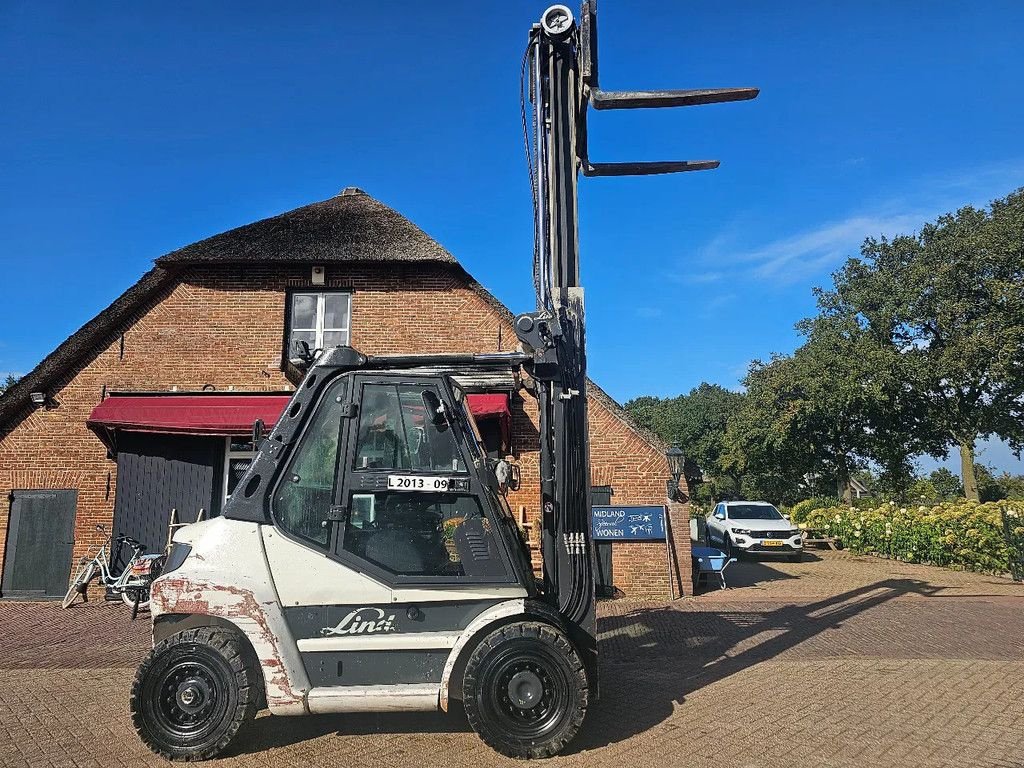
[
  {"x": 192, "y": 414},
  {"x": 490, "y": 406},
  {"x": 232, "y": 414}
]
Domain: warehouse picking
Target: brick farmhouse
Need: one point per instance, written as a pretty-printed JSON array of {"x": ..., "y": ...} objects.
[{"x": 218, "y": 320}]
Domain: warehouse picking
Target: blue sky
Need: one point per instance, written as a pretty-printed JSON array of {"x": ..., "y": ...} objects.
[{"x": 131, "y": 129}]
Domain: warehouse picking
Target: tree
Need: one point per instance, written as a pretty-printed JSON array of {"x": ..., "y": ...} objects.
[
  {"x": 947, "y": 485},
  {"x": 989, "y": 487},
  {"x": 823, "y": 413},
  {"x": 9, "y": 381},
  {"x": 1013, "y": 486},
  {"x": 697, "y": 422},
  {"x": 944, "y": 310},
  {"x": 763, "y": 450},
  {"x": 923, "y": 491}
]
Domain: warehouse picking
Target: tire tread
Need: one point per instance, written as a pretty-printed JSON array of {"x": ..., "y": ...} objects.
[
  {"x": 511, "y": 746},
  {"x": 230, "y": 646}
]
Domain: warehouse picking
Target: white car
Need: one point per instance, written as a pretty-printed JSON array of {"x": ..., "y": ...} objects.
[{"x": 739, "y": 527}]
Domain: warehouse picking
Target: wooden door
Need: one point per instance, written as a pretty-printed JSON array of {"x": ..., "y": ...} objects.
[{"x": 40, "y": 538}]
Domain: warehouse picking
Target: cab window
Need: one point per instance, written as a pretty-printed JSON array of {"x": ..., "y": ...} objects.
[
  {"x": 418, "y": 534},
  {"x": 303, "y": 497},
  {"x": 396, "y": 432}
]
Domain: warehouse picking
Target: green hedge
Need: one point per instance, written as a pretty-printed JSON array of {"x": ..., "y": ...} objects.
[
  {"x": 961, "y": 534},
  {"x": 799, "y": 511}
]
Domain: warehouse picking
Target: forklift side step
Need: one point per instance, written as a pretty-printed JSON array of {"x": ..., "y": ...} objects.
[{"x": 417, "y": 697}]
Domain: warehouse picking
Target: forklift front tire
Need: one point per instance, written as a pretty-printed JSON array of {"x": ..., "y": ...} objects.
[
  {"x": 193, "y": 692},
  {"x": 525, "y": 690}
]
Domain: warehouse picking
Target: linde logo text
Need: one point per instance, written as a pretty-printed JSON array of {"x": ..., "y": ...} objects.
[{"x": 362, "y": 621}]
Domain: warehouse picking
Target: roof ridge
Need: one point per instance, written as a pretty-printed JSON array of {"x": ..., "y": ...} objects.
[
  {"x": 351, "y": 226},
  {"x": 77, "y": 345}
]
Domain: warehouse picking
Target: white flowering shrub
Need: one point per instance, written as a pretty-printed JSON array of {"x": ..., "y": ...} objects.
[{"x": 962, "y": 534}]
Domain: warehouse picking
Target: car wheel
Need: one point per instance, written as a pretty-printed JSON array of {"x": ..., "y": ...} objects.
[
  {"x": 525, "y": 690},
  {"x": 727, "y": 545},
  {"x": 193, "y": 693}
]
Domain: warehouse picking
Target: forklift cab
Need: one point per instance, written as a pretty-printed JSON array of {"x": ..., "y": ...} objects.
[{"x": 389, "y": 478}]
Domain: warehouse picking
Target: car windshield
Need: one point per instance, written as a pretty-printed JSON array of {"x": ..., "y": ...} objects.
[{"x": 753, "y": 512}]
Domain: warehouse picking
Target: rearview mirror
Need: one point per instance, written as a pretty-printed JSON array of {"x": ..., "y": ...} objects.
[
  {"x": 514, "y": 478},
  {"x": 507, "y": 474},
  {"x": 720, "y": 515},
  {"x": 434, "y": 407}
]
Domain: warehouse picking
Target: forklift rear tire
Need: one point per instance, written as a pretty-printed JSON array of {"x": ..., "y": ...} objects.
[
  {"x": 525, "y": 690},
  {"x": 193, "y": 693}
]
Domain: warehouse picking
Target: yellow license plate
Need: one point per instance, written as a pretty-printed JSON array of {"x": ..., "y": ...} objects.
[{"x": 771, "y": 543}]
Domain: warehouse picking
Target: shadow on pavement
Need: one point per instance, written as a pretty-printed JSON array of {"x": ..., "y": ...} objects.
[
  {"x": 269, "y": 732},
  {"x": 661, "y": 655}
]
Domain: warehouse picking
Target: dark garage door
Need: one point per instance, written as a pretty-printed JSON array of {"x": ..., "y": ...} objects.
[
  {"x": 601, "y": 495},
  {"x": 40, "y": 537},
  {"x": 158, "y": 473}
]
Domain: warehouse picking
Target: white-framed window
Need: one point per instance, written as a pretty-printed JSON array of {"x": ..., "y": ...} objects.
[
  {"x": 320, "y": 319},
  {"x": 238, "y": 455}
]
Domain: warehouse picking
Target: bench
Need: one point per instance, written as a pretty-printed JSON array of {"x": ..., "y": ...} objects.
[{"x": 814, "y": 536}]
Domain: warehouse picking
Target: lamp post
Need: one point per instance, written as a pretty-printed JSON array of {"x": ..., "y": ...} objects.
[{"x": 676, "y": 461}]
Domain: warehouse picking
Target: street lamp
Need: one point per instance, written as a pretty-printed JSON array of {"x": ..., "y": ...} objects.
[{"x": 676, "y": 461}]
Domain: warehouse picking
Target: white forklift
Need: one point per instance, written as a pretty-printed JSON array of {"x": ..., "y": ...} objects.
[{"x": 368, "y": 560}]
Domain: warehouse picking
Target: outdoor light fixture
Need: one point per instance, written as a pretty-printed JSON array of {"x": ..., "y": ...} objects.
[
  {"x": 43, "y": 399},
  {"x": 676, "y": 462}
]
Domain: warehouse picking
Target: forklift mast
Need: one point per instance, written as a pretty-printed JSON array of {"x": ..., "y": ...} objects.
[{"x": 561, "y": 65}]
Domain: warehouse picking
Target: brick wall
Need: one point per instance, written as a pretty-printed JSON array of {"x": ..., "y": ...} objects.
[{"x": 224, "y": 325}]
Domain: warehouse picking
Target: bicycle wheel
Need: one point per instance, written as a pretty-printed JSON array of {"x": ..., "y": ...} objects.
[{"x": 80, "y": 583}]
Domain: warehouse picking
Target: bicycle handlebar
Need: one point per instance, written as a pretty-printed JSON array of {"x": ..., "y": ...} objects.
[{"x": 134, "y": 543}]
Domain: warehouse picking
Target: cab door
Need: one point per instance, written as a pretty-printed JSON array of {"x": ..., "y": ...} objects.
[
  {"x": 389, "y": 552},
  {"x": 316, "y": 591}
]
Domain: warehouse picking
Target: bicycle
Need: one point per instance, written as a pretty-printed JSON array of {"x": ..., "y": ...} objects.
[{"x": 132, "y": 584}]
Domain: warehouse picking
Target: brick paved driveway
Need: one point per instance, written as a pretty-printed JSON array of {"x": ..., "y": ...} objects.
[{"x": 841, "y": 661}]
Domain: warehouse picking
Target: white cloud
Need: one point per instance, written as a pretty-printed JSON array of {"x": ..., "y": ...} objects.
[
  {"x": 712, "y": 304},
  {"x": 806, "y": 254},
  {"x": 812, "y": 253}
]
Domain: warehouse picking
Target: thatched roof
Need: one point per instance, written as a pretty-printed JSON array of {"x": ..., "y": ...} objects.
[{"x": 351, "y": 226}]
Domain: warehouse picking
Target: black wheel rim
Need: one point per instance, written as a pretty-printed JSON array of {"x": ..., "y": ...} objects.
[
  {"x": 525, "y": 691},
  {"x": 188, "y": 698}
]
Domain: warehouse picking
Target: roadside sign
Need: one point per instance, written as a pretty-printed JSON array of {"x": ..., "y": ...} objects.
[{"x": 617, "y": 523}]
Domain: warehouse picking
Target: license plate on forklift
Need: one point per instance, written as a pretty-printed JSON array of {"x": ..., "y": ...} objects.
[
  {"x": 771, "y": 543},
  {"x": 419, "y": 483}
]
